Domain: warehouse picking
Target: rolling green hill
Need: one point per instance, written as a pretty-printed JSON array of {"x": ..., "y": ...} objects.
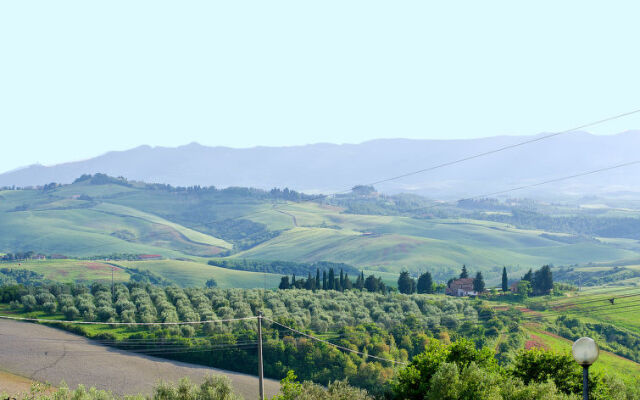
[
  {"x": 182, "y": 273},
  {"x": 98, "y": 217}
]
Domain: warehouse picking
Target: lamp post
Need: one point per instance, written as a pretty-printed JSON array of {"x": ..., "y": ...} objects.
[{"x": 585, "y": 351}]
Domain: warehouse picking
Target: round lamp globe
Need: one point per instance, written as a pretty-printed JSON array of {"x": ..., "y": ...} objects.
[{"x": 585, "y": 351}]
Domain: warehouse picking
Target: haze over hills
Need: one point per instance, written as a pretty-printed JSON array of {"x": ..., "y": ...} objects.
[{"x": 328, "y": 168}]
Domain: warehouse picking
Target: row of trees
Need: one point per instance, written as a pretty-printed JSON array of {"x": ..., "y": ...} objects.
[
  {"x": 275, "y": 193},
  {"x": 408, "y": 285},
  {"x": 19, "y": 255},
  {"x": 330, "y": 281},
  {"x": 10, "y": 276},
  {"x": 281, "y": 267}
]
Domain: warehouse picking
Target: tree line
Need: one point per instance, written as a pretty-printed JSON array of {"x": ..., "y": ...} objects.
[
  {"x": 331, "y": 281},
  {"x": 282, "y": 267}
]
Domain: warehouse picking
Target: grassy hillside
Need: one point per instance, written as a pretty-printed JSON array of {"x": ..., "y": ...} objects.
[
  {"x": 105, "y": 216},
  {"x": 182, "y": 273},
  {"x": 189, "y": 274},
  {"x": 391, "y": 243},
  {"x": 594, "y": 305}
]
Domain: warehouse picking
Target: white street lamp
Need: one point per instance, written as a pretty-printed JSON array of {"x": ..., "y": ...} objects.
[{"x": 585, "y": 351}]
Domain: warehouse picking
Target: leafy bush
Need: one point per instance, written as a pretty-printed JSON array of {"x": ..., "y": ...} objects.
[{"x": 290, "y": 389}]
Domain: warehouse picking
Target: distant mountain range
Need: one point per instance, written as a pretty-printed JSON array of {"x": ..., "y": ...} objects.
[{"x": 329, "y": 168}]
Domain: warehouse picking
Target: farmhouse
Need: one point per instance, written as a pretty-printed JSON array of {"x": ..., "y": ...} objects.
[{"x": 461, "y": 287}]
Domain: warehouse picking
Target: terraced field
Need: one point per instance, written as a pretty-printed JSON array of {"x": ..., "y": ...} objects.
[
  {"x": 609, "y": 362},
  {"x": 595, "y": 305}
]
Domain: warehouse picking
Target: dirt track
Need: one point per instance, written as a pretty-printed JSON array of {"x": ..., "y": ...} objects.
[{"x": 51, "y": 355}]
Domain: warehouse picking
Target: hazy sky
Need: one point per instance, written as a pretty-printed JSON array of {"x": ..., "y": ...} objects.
[{"x": 79, "y": 78}]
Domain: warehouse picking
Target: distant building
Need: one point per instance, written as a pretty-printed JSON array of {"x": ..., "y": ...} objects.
[
  {"x": 150, "y": 257},
  {"x": 514, "y": 287},
  {"x": 461, "y": 287}
]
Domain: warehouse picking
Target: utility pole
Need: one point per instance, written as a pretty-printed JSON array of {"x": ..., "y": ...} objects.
[
  {"x": 260, "y": 369},
  {"x": 579, "y": 281}
]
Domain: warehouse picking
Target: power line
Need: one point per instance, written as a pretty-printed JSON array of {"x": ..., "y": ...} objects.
[
  {"x": 608, "y": 298},
  {"x": 434, "y": 167},
  {"x": 43, "y": 320},
  {"x": 334, "y": 345},
  {"x": 595, "y": 171},
  {"x": 564, "y": 178},
  {"x": 508, "y": 147},
  {"x": 560, "y": 179}
]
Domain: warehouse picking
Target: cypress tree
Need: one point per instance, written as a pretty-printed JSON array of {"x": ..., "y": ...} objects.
[
  {"x": 542, "y": 281},
  {"x": 360, "y": 284},
  {"x": 478, "y": 283},
  {"x": 332, "y": 280},
  {"x": 425, "y": 283},
  {"x": 464, "y": 273},
  {"x": 317, "y": 285},
  {"x": 505, "y": 279},
  {"x": 371, "y": 283},
  {"x": 406, "y": 284},
  {"x": 284, "y": 283},
  {"x": 347, "y": 283},
  {"x": 341, "y": 280},
  {"x": 324, "y": 280},
  {"x": 309, "y": 284}
]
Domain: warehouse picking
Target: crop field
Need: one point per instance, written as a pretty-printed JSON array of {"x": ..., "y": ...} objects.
[
  {"x": 71, "y": 270},
  {"x": 38, "y": 352}
]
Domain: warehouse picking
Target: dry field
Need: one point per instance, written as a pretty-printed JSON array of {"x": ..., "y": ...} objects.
[{"x": 46, "y": 354}]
